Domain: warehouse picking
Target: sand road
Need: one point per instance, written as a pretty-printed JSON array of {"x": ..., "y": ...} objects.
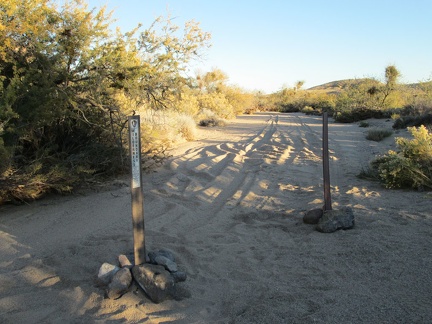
[{"x": 230, "y": 206}]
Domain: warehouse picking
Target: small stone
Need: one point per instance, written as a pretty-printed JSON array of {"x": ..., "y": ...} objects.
[
  {"x": 106, "y": 273},
  {"x": 167, "y": 263},
  {"x": 334, "y": 220},
  {"x": 119, "y": 284},
  {"x": 179, "y": 276},
  {"x": 156, "y": 282},
  {"x": 131, "y": 257},
  {"x": 313, "y": 216},
  {"x": 124, "y": 261}
]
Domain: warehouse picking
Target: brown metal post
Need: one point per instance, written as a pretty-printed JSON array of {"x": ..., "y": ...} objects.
[
  {"x": 326, "y": 171},
  {"x": 136, "y": 190}
]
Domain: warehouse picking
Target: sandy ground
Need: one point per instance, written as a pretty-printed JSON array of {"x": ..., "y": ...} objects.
[{"x": 230, "y": 206}]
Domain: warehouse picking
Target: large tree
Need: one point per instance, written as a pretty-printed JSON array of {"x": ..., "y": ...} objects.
[{"x": 68, "y": 82}]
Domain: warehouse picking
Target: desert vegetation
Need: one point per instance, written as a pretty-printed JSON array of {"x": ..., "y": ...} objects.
[
  {"x": 360, "y": 99},
  {"x": 378, "y": 134},
  {"x": 68, "y": 82},
  {"x": 411, "y": 165}
]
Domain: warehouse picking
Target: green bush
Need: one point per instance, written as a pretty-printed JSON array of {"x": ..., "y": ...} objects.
[
  {"x": 68, "y": 84},
  {"x": 308, "y": 110},
  {"x": 4, "y": 157},
  {"x": 291, "y": 107},
  {"x": 409, "y": 121},
  {"x": 359, "y": 114},
  {"x": 378, "y": 134},
  {"x": 411, "y": 166}
]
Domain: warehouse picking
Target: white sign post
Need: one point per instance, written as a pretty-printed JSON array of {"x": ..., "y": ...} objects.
[{"x": 136, "y": 190}]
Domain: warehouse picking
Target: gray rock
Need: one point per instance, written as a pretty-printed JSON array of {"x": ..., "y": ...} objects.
[
  {"x": 179, "y": 276},
  {"x": 333, "y": 220},
  {"x": 167, "y": 263},
  {"x": 119, "y": 284},
  {"x": 162, "y": 252},
  {"x": 152, "y": 256},
  {"x": 156, "y": 282},
  {"x": 106, "y": 273},
  {"x": 167, "y": 253},
  {"x": 313, "y": 216}
]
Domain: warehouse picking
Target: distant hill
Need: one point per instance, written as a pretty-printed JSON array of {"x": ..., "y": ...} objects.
[{"x": 337, "y": 86}]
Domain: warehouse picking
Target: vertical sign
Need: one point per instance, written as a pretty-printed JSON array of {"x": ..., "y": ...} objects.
[
  {"x": 326, "y": 171},
  {"x": 136, "y": 190}
]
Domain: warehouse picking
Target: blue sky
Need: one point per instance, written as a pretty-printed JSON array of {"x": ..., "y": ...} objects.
[{"x": 268, "y": 44}]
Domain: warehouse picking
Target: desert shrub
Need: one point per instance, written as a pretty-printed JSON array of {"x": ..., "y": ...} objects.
[
  {"x": 165, "y": 128},
  {"x": 364, "y": 124},
  {"x": 359, "y": 114},
  {"x": 188, "y": 103},
  {"x": 322, "y": 102},
  {"x": 4, "y": 157},
  {"x": 210, "y": 122},
  {"x": 68, "y": 83},
  {"x": 240, "y": 100},
  {"x": 395, "y": 116},
  {"x": 308, "y": 110},
  {"x": 186, "y": 126},
  {"x": 411, "y": 166},
  {"x": 160, "y": 131},
  {"x": 208, "y": 118},
  {"x": 226, "y": 101},
  {"x": 378, "y": 134},
  {"x": 410, "y": 121},
  {"x": 37, "y": 180},
  {"x": 420, "y": 99},
  {"x": 368, "y": 173},
  {"x": 291, "y": 107},
  {"x": 217, "y": 103}
]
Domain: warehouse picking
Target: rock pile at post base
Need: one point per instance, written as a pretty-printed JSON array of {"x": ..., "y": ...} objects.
[
  {"x": 114, "y": 279},
  {"x": 157, "y": 278},
  {"x": 330, "y": 221}
]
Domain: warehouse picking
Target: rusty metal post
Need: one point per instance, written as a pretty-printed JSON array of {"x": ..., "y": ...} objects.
[
  {"x": 136, "y": 190},
  {"x": 326, "y": 169}
]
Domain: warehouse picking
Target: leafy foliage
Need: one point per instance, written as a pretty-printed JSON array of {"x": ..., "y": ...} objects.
[
  {"x": 369, "y": 98},
  {"x": 215, "y": 95},
  {"x": 67, "y": 84},
  {"x": 410, "y": 121},
  {"x": 295, "y": 100},
  {"x": 411, "y": 166}
]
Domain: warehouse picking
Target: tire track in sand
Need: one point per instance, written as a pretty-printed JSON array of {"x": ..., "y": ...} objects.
[
  {"x": 214, "y": 174},
  {"x": 229, "y": 174}
]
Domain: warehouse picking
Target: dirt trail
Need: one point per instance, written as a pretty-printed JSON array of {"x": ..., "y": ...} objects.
[{"x": 230, "y": 206}]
